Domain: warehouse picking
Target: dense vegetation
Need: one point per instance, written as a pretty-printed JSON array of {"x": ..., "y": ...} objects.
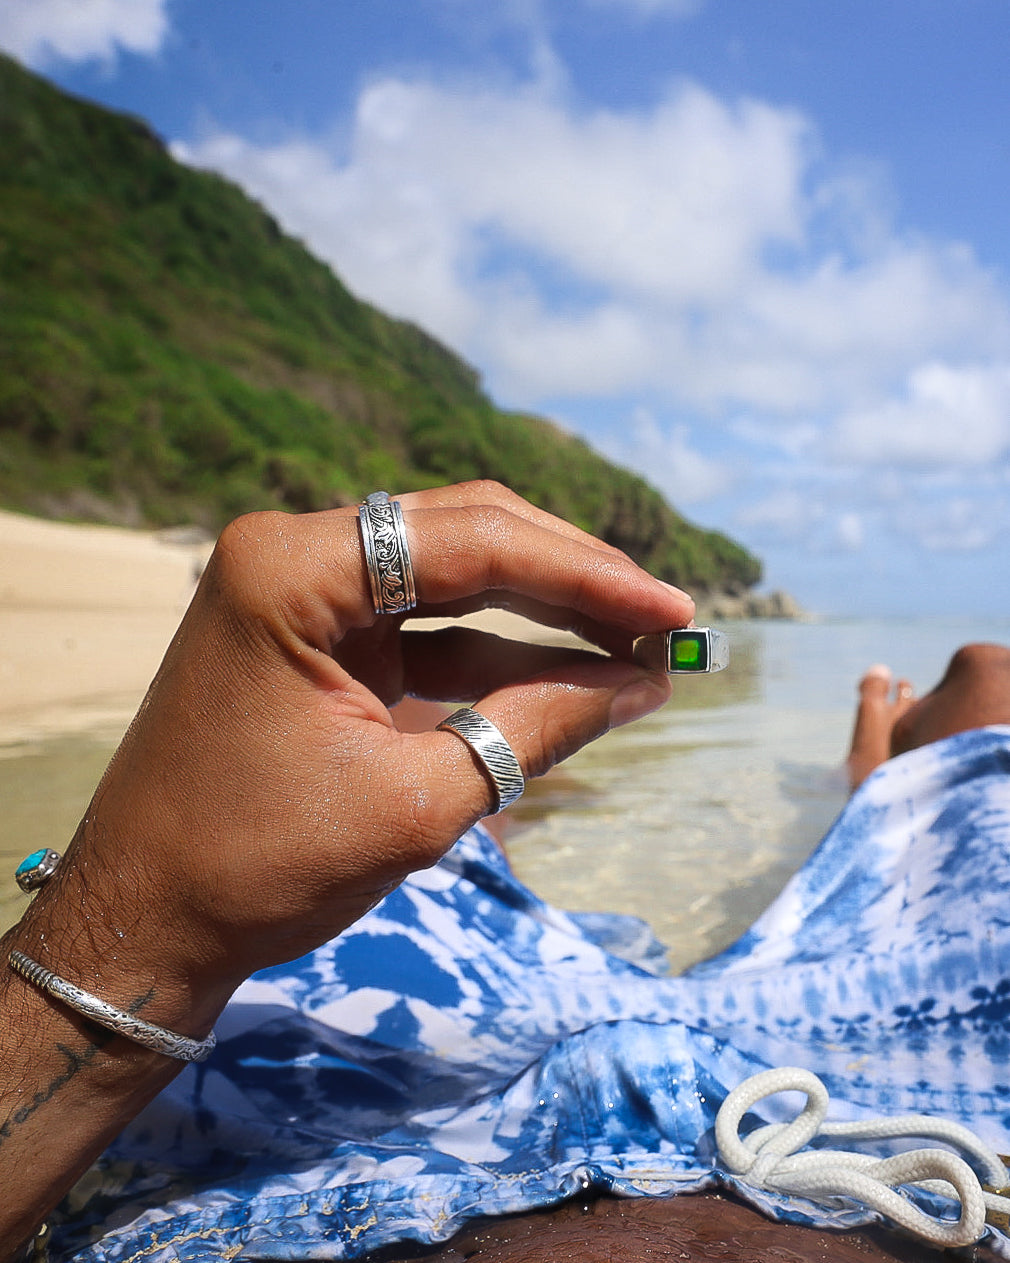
[{"x": 168, "y": 355}]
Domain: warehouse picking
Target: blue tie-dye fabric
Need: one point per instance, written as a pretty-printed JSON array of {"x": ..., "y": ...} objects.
[{"x": 467, "y": 1049}]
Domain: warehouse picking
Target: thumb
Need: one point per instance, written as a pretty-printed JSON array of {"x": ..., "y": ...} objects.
[{"x": 544, "y": 720}]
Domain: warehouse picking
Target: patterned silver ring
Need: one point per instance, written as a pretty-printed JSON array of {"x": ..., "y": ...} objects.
[
  {"x": 387, "y": 556},
  {"x": 493, "y": 752}
]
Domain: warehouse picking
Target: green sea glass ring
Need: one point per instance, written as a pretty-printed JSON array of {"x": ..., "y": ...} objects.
[
  {"x": 687, "y": 651},
  {"x": 696, "y": 649}
]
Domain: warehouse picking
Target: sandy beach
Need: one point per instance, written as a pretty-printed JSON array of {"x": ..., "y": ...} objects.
[{"x": 86, "y": 613}]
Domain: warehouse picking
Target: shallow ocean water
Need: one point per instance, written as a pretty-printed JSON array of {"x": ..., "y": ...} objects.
[
  {"x": 692, "y": 819},
  {"x": 695, "y": 817}
]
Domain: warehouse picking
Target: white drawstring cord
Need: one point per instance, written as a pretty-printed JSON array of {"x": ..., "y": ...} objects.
[{"x": 767, "y": 1158}]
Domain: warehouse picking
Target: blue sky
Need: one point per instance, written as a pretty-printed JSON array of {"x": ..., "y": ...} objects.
[{"x": 755, "y": 249}]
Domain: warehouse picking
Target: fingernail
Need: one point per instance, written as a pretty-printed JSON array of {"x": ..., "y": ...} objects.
[
  {"x": 638, "y": 699},
  {"x": 684, "y": 596}
]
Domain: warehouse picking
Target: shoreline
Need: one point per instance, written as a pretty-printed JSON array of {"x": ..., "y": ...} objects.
[{"x": 86, "y": 614}]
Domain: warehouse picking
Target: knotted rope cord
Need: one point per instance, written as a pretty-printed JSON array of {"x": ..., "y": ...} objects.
[{"x": 767, "y": 1159}]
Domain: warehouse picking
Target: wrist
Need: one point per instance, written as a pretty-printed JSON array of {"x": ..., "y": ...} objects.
[
  {"x": 67, "y": 1088},
  {"x": 126, "y": 952},
  {"x": 126, "y": 1022}
]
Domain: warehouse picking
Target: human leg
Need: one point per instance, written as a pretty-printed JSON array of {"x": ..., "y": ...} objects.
[
  {"x": 878, "y": 710},
  {"x": 973, "y": 693},
  {"x": 692, "y": 1226}
]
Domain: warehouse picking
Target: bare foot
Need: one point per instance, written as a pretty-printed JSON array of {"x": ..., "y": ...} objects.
[{"x": 876, "y": 714}]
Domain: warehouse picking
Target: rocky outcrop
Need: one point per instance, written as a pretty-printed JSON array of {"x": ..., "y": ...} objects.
[{"x": 726, "y": 606}]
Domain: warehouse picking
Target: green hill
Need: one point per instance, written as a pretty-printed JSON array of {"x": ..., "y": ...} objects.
[{"x": 169, "y": 355}]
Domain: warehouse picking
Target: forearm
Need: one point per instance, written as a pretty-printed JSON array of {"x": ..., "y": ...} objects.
[{"x": 67, "y": 1085}]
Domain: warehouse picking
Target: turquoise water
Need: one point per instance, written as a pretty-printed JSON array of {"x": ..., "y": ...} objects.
[
  {"x": 692, "y": 819},
  {"x": 695, "y": 817}
]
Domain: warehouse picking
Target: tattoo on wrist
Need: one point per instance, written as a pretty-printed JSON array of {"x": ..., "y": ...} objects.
[{"x": 76, "y": 1061}]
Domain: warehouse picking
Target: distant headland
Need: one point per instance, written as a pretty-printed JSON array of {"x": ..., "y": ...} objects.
[{"x": 174, "y": 358}]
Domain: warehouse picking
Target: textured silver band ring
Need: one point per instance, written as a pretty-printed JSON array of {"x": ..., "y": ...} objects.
[
  {"x": 157, "y": 1038},
  {"x": 387, "y": 556},
  {"x": 493, "y": 752}
]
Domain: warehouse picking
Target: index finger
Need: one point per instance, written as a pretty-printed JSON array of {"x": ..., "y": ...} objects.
[
  {"x": 463, "y": 551},
  {"x": 488, "y": 492}
]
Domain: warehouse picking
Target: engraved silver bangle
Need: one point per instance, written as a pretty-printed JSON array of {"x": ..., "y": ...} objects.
[
  {"x": 181, "y": 1047},
  {"x": 492, "y": 751},
  {"x": 384, "y": 539}
]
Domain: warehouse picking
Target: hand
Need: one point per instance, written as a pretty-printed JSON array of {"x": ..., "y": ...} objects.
[{"x": 263, "y": 799}]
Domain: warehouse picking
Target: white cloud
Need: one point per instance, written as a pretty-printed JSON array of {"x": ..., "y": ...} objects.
[
  {"x": 958, "y": 524},
  {"x": 669, "y": 460},
  {"x": 703, "y": 254},
  {"x": 36, "y": 31},
  {"x": 652, "y": 8},
  {"x": 672, "y": 205},
  {"x": 679, "y": 249},
  {"x": 945, "y": 416},
  {"x": 785, "y": 516},
  {"x": 850, "y": 531}
]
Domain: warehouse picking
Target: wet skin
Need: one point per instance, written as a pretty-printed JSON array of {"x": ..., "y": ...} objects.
[
  {"x": 701, "y": 1226},
  {"x": 973, "y": 693}
]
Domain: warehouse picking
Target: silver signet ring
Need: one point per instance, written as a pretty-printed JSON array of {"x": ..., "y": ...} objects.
[{"x": 492, "y": 751}]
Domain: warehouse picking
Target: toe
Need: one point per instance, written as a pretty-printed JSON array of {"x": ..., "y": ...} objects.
[
  {"x": 876, "y": 682},
  {"x": 871, "y": 734}
]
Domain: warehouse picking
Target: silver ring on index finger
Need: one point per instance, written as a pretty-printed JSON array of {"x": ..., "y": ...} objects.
[{"x": 387, "y": 556}]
